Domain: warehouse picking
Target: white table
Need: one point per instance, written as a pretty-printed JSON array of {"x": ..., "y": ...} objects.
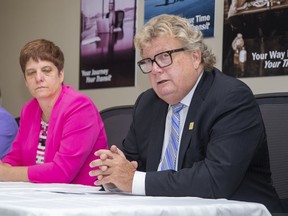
[{"x": 23, "y": 199}]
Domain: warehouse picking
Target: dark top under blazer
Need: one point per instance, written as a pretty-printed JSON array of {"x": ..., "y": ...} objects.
[{"x": 225, "y": 155}]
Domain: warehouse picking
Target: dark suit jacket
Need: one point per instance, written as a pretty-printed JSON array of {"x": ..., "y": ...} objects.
[{"x": 225, "y": 155}]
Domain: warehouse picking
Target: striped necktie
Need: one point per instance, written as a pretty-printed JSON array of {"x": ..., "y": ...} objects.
[{"x": 169, "y": 160}]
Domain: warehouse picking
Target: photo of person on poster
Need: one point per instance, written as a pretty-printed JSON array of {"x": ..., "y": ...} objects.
[
  {"x": 107, "y": 54},
  {"x": 255, "y": 38}
]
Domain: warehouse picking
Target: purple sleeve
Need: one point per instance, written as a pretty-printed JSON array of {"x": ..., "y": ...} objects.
[{"x": 8, "y": 131}]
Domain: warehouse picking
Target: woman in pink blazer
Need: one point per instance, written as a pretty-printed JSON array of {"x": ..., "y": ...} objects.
[{"x": 60, "y": 129}]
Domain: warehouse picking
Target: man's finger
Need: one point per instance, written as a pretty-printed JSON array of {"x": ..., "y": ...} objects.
[
  {"x": 99, "y": 162},
  {"x": 99, "y": 172},
  {"x": 102, "y": 181},
  {"x": 114, "y": 149},
  {"x": 104, "y": 151},
  {"x": 135, "y": 164},
  {"x": 103, "y": 168}
]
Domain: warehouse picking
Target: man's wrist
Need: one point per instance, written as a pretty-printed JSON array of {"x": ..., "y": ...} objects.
[{"x": 138, "y": 184}]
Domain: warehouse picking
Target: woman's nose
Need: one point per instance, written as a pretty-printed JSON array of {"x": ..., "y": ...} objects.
[{"x": 39, "y": 76}]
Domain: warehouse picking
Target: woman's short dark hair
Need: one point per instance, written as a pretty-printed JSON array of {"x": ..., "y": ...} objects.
[{"x": 44, "y": 50}]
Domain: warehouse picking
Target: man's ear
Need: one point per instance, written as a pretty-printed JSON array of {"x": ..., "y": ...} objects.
[{"x": 196, "y": 56}]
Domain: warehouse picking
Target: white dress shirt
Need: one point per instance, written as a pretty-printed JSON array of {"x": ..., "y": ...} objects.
[{"x": 138, "y": 185}]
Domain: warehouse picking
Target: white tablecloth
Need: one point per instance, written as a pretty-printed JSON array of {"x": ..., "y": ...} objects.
[{"x": 23, "y": 199}]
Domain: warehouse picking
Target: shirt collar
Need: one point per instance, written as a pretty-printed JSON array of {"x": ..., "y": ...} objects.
[{"x": 187, "y": 99}]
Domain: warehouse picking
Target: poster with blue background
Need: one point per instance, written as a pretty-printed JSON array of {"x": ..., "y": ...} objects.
[{"x": 199, "y": 12}]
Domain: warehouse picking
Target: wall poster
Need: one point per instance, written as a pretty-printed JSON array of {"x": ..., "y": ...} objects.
[
  {"x": 255, "y": 38},
  {"x": 199, "y": 12},
  {"x": 107, "y": 54}
]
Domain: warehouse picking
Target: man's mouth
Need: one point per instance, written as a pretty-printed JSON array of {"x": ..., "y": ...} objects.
[{"x": 162, "y": 81}]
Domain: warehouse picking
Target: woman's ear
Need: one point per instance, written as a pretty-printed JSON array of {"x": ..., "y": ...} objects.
[{"x": 61, "y": 74}]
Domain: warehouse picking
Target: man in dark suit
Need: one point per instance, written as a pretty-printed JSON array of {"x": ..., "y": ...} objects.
[{"x": 222, "y": 150}]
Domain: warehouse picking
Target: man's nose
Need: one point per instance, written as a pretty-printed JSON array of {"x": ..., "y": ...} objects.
[{"x": 156, "y": 68}]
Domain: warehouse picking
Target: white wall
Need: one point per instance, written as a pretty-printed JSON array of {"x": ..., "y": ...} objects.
[{"x": 59, "y": 20}]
